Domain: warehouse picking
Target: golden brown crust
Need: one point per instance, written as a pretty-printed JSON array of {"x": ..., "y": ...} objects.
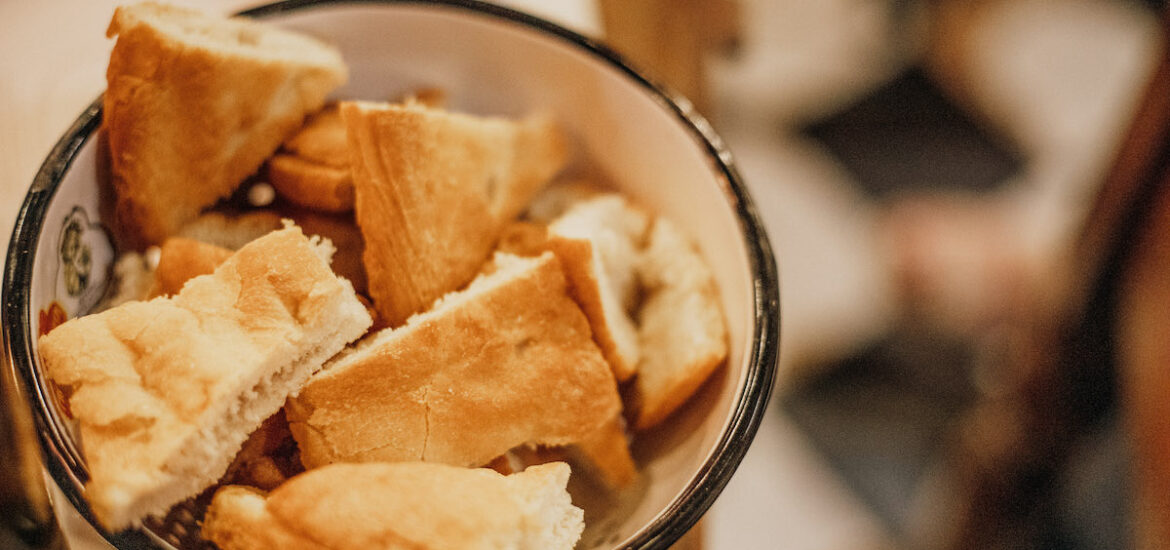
[
  {"x": 680, "y": 327},
  {"x": 312, "y": 168},
  {"x": 238, "y": 519},
  {"x": 608, "y": 451},
  {"x": 321, "y": 140},
  {"x": 407, "y": 506},
  {"x": 431, "y": 192},
  {"x": 195, "y": 104},
  {"x": 507, "y": 362},
  {"x": 311, "y": 185},
  {"x": 597, "y": 240},
  {"x": 165, "y": 391},
  {"x": 181, "y": 259}
]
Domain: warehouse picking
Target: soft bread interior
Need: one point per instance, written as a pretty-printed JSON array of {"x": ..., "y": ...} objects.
[
  {"x": 166, "y": 391},
  {"x": 206, "y": 453}
]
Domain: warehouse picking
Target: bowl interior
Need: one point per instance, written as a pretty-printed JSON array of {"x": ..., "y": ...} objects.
[{"x": 623, "y": 131}]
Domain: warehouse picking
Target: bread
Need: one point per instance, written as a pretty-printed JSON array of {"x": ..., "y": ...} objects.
[
  {"x": 597, "y": 240},
  {"x": 312, "y": 168},
  {"x": 407, "y": 506},
  {"x": 432, "y": 191},
  {"x": 558, "y": 197},
  {"x": 506, "y": 362},
  {"x": 182, "y": 259},
  {"x": 166, "y": 391},
  {"x": 133, "y": 280},
  {"x": 607, "y": 450},
  {"x": 195, "y": 104},
  {"x": 231, "y": 231},
  {"x": 680, "y": 327}
]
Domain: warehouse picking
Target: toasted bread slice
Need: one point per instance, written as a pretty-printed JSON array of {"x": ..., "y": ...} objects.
[
  {"x": 433, "y": 189},
  {"x": 312, "y": 168},
  {"x": 311, "y": 185},
  {"x": 597, "y": 240},
  {"x": 195, "y": 104},
  {"x": 182, "y": 259},
  {"x": 506, "y": 362},
  {"x": 680, "y": 327},
  {"x": 166, "y": 391},
  {"x": 409, "y": 505}
]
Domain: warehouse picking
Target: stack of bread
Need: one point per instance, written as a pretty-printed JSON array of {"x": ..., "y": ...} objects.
[{"x": 422, "y": 301}]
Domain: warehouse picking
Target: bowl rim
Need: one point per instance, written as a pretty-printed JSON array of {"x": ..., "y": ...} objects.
[{"x": 669, "y": 524}]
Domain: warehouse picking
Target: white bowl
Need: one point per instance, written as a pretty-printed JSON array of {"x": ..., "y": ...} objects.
[{"x": 490, "y": 60}]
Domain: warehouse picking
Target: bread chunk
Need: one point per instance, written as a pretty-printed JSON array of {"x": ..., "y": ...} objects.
[
  {"x": 195, "y": 104},
  {"x": 312, "y": 168},
  {"x": 598, "y": 240},
  {"x": 182, "y": 259},
  {"x": 432, "y": 191},
  {"x": 402, "y": 506},
  {"x": 681, "y": 327},
  {"x": 507, "y": 362},
  {"x": 166, "y": 391}
]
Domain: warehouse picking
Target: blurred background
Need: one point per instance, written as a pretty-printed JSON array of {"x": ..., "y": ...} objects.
[{"x": 956, "y": 191}]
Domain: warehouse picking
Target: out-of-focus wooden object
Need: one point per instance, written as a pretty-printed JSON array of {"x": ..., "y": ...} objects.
[
  {"x": 1143, "y": 356},
  {"x": 669, "y": 39},
  {"x": 1100, "y": 339}
]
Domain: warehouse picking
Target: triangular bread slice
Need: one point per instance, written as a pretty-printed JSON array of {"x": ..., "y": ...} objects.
[
  {"x": 598, "y": 240},
  {"x": 506, "y": 362},
  {"x": 432, "y": 191},
  {"x": 166, "y": 391},
  {"x": 195, "y": 104},
  {"x": 680, "y": 327},
  {"x": 403, "y": 505}
]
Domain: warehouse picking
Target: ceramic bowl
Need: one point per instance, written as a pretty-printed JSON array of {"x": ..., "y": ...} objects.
[{"x": 490, "y": 60}]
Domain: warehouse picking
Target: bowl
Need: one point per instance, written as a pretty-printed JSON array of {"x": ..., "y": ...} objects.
[{"x": 625, "y": 129}]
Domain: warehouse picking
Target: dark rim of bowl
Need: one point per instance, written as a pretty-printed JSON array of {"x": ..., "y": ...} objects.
[{"x": 686, "y": 509}]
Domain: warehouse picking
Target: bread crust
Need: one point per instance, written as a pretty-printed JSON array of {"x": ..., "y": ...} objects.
[
  {"x": 312, "y": 168},
  {"x": 195, "y": 104},
  {"x": 432, "y": 191},
  {"x": 407, "y": 506},
  {"x": 182, "y": 259},
  {"x": 166, "y": 391},
  {"x": 597, "y": 241},
  {"x": 507, "y": 362}
]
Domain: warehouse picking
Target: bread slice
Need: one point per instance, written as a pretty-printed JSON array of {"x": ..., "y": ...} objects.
[
  {"x": 166, "y": 391},
  {"x": 312, "y": 168},
  {"x": 408, "y": 505},
  {"x": 182, "y": 259},
  {"x": 433, "y": 189},
  {"x": 506, "y": 362},
  {"x": 195, "y": 104},
  {"x": 680, "y": 327},
  {"x": 598, "y": 240}
]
